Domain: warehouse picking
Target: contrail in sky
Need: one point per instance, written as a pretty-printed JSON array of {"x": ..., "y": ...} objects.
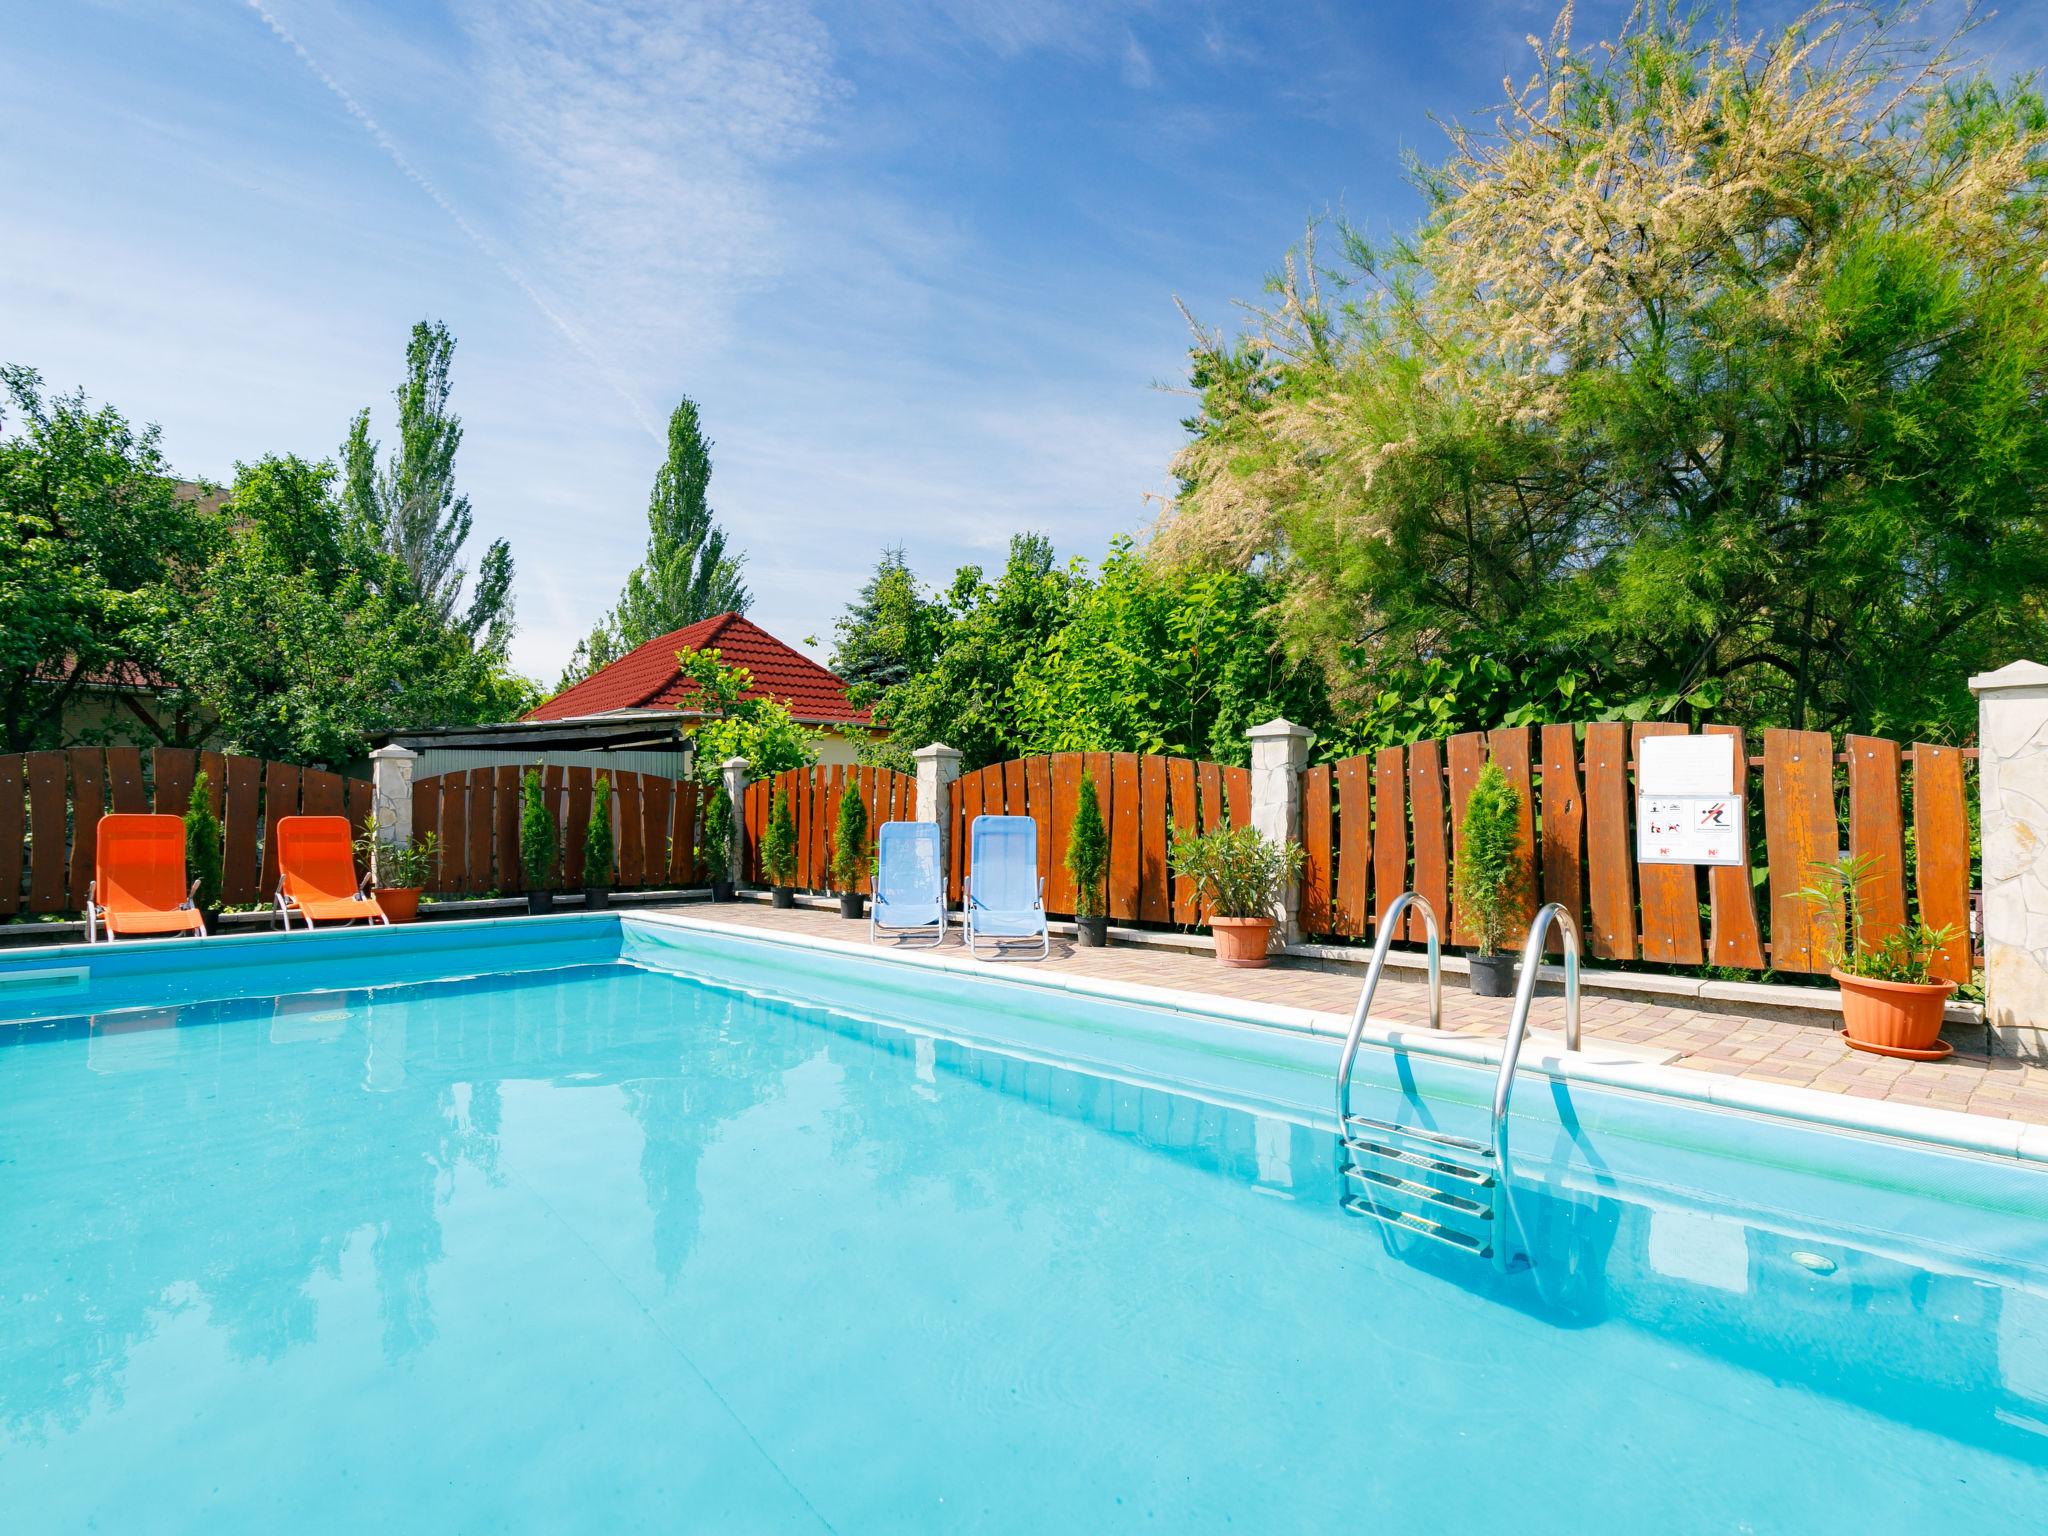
[{"x": 476, "y": 236}]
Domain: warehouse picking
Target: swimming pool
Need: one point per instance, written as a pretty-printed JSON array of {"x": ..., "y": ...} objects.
[{"x": 615, "y": 1223}]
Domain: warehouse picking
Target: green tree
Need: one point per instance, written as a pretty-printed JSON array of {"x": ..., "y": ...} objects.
[
  {"x": 759, "y": 729},
  {"x": 537, "y": 838},
  {"x": 1490, "y": 870},
  {"x": 688, "y": 574},
  {"x": 889, "y": 633},
  {"x": 413, "y": 503},
  {"x": 778, "y": 842},
  {"x": 1087, "y": 850},
  {"x": 1712, "y": 379},
  {"x": 204, "y": 855},
  {"x": 852, "y": 847},
  {"x": 90, "y": 522}
]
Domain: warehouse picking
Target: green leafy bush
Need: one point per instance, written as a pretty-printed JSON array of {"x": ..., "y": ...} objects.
[
  {"x": 1490, "y": 863},
  {"x": 1087, "y": 850},
  {"x": 597, "y": 837},
  {"x": 778, "y": 843},
  {"x": 399, "y": 866},
  {"x": 1237, "y": 871},
  {"x": 537, "y": 839},
  {"x": 850, "y": 842},
  {"x": 203, "y": 845}
]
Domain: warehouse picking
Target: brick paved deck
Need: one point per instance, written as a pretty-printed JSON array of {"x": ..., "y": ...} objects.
[{"x": 1797, "y": 1055}]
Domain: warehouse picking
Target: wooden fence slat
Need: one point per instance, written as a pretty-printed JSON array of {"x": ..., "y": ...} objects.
[
  {"x": 1733, "y": 937},
  {"x": 241, "y": 781},
  {"x": 682, "y": 844},
  {"x": 1351, "y": 902},
  {"x": 1215, "y": 812},
  {"x": 1509, "y": 748},
  {"x": 88, "y": 804},
  {"x": 1432, "y": 856},
  {"x": 480, "y": 790},
  {"x": 1016, "y": 792},
  {"x": 1124, "y": 834},
  {"x": 657, "y": 807},
  {"x": 629, "y": 832},
  {"x": 47, "y": 801},
  {"x": 956, "y": 838},
  {"x": 824, "y": 813},
  {"x": 1389, "y": 830},
  {"x": 1560, "y": 859},
  {"x": 835, "y": 786},
  {"x": 970, "y": 807},
  {"x": 1610, "y": 856},
  {"x": 320, "y": 793},
  {"x": 1465, "y": 755},
  {"x": 280, "y": 799},
  {"x": 1670, "y": 893},
  {"x": 1038, "y": 790},
  {"x": 796, "y": 785},
  {"x": 1877, "y": 832},
  {"x": 506, "y": 807},
  {"x": 1315, "y": 841},
  {"x": 455, "y": 878},
  {"x": 13, "y": 831},
  {"x": 426, "y": 817},
  {"x": 1066, "y": 795},
  {"x": 1800, "y": 831},
  {"x": 1237, "y": 790},
  {"x": 125, "y": 793},
  {"x": 1941, "y": 849},
  {"x": 1155, "y": 889},
  {"x": 577, "y": 781},
  {"x": 1184, "y": 818},
  {"x": 172, "y": 768},
  {"x": 360, "y": 798},
  {"x": 215, "y": 766}
]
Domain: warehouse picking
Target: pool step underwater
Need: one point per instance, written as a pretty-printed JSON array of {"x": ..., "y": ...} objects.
[{"x": 1406, "y": 1177}]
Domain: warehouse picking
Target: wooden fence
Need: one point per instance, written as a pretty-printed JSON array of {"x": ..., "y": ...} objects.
[
  {"x": 474, "y": 813},
  {"x": 814, "y": 794},
  {"x": 1374, "y": 826},
  {"x": 1142, "y": 796},
  {"x": 51, "y": 804}
]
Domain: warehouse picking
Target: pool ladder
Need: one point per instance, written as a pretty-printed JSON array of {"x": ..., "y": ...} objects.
[{"x": 1409, "y": 1178}]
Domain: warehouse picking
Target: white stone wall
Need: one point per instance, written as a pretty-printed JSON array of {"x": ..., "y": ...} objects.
[{"x": 2012, "y": 769}]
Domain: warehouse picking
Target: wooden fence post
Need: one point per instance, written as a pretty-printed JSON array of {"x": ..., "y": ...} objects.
[
  {"x": 2012, "y": 783},
  {"x": 938, "y": 765},
  {"x": 1279, "y": 754}
]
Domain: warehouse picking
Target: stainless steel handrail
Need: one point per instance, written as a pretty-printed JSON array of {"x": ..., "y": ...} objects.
[
  {"x": 1390, "y": 925},
  {"x": 1518, "y": 1029}
]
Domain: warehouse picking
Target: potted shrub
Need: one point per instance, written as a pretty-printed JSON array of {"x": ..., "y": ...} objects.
[
  {"x": 1087, "y": 860},
  {"x": 597, "y": 846},
  {"x": 850, "y": 845},
  {"x": 778, "y": 851},
  {"x": 537, "y": 844},
  {"x": 401, "y": 870},
  {"x": 1239, "y": 877},
  {"x": 203, "y": 858},
  {"x": 714, "y": 842},
  {"x": 1892, "y": 1004},
  {"x": 1490, "y": 877}
]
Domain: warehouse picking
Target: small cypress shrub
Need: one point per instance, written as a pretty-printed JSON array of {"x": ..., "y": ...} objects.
[
  {"x": 1087, "y": 850},
  {"x": 778, "y": 843},
  {"x": 537, "y": 840},
  {"x": 203, "y": 858},
  {"x": 850, "y": 843},
  {"x": 597, "y": 837},
  {"x": 714, "y": 835},
  {"x": 1490, "y": 864}
]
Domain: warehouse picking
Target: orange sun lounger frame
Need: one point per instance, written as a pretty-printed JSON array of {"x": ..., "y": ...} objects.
[
  {"x": 138, "y": 884},
  {"x": 316, "y": 873}
]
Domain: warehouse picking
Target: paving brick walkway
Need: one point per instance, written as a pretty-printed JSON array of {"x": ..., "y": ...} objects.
[{"x": 1799, "y": 1055}]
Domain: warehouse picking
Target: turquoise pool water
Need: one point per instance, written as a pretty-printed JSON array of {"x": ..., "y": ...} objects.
[{"x": 715, "y": 1246}]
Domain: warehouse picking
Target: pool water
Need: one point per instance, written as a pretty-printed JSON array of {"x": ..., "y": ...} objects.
[{"x": 606, "y": 1248}]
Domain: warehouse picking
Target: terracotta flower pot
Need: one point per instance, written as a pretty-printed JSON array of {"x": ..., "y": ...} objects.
[
  {"x": 1242, "y": 941},
  {"x": 401, "y": 903},
  {"x": 1894, "y": 1018}
]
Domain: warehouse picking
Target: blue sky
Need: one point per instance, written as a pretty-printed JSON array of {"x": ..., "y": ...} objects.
[{"x": 917, "y": 262}]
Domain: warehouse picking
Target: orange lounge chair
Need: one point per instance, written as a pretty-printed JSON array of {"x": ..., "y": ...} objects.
[
  {"x": 138, "y": 882},
  {"x": 316, "y": 873}
]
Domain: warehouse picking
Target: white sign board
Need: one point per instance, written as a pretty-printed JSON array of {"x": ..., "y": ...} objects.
[{"x": 1688, "y": 808}]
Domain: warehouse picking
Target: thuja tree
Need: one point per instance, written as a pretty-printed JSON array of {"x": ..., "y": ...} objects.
[{"x": 1711, "y": 379}]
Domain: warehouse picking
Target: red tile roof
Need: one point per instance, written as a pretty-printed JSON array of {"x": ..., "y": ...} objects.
[{"x": 646, "y": 677}]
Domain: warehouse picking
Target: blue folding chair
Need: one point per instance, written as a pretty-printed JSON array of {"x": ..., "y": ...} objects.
[
  {"x": 910, "y": 888},
  {"x": 1005, "y": 896}
]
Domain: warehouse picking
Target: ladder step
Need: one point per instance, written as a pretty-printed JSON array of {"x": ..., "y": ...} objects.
[
  {"x": 1424, "y": 1194},
  {"x": 1426, "y": 1162},
  {"x": 1422, "y": 1226},
  {"x": 1417, "y": 1133}
]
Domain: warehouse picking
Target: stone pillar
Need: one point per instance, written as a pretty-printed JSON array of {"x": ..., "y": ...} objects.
[
  {"x": 938, "y": 765},
  {"x": 734, "y": 771},
  {"x": 1279, "y": 754},
  {"x": 391, "y": 793},
  {"x": 2012, "y": 786}
]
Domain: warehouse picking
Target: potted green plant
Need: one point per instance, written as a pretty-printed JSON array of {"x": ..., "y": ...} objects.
[
  {"x": 1087, "y": 860},
  {"x": 1892, "y": 1003},
  {"x": 400, "y": 870},
  {"x": 203, "y": 857},
  {"x": 778, "y": 851},
  {"x": 714, "y": 842},
  {"x": 1239, "y": 878},
  {"x": 597, "y": 846},
  {"x": 537, "y": 844},
  {"x": 1489, "y": 877},
  {"x": 850, "y": 851}
]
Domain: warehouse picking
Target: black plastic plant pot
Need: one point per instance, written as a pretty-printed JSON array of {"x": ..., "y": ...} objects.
[
  {"x": 538, "y": 902},
  {"x": 1091, "y": 932},
  {"x": 596, "y": 897},
  {"x": 782, "y": 897},
  {"x": 852, "y": 904},
  {"x": 721, "y": 890},
  {"x": 1493, "y": 975}
]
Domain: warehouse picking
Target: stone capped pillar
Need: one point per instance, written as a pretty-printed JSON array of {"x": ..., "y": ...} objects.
[
  {"x": 938, "y": 765},
  {"x": 2012, "y": 786},
  {"x": 391, "y": 794},
  {"x": 734, "y": 773},
  {"x": 1279, "y": 754}
]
